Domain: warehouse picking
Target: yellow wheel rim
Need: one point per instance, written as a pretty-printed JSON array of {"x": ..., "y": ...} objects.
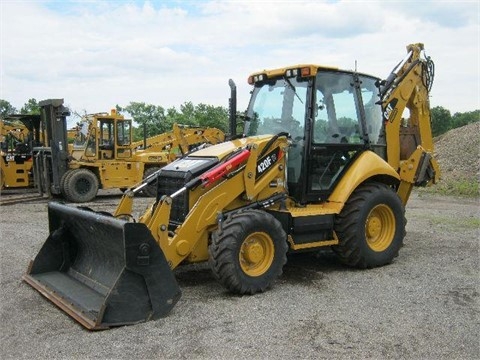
[
  {"x": 380, "y": 228},
  {"x": 256, "y": 254}
]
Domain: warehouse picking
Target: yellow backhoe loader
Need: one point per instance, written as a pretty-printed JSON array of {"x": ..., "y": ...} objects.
[
  {"x": 105, "y": 157},
  {"x": 326, "y": 158}
]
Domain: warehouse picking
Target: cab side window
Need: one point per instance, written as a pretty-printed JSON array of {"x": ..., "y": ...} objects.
[{"x": 336, "y": 119}]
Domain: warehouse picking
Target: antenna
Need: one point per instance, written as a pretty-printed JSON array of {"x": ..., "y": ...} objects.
[{"x": 355, "y": 65}]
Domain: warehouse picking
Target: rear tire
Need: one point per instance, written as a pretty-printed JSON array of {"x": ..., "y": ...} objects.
[
  {"x": 151, "y": 189},
  {"x": 371, "y": 227},
  {"x": 81, "y": 185},
  {"x": 249, "y": 251}
]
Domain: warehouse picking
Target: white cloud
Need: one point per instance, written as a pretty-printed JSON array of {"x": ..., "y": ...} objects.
[{"x": 99, "y": 54}]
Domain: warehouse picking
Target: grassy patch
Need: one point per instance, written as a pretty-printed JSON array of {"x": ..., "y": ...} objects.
[
  {"x": 464, "y": 223},
  {"x": 457, "y": 187}
]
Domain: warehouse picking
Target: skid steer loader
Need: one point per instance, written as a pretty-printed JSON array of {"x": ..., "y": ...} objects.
[{"x": 324, "y": 159}]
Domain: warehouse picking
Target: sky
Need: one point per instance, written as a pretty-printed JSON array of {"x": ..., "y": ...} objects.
[{"x": 97, "y": 54}]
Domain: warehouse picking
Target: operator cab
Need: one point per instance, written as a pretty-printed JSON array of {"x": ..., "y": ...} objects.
[
  {"x": 109, "y": 137},
  {"x": 331, "y": 116}
]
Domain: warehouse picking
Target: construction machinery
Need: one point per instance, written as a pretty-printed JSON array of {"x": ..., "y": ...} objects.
[
  {"x": 326, "y": 158},
  {"x": 19, "y": 133},
  {"x": 104, "y": 155}
]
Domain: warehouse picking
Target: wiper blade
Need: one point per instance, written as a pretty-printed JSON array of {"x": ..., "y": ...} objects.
[{"x": 287, "y": 80}]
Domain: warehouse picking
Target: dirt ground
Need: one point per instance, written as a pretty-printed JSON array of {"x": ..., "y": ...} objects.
[{"x": 425, "y": 305}]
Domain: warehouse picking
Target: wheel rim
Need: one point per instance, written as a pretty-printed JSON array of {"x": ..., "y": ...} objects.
[
  {"x": 380, "y": 228},
  {"x": 83, "y": 186},
  {"x": 256, "y": 254}
]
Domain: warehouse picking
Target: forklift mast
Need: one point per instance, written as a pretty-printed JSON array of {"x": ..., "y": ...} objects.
[{"x": 50, "y": 161}]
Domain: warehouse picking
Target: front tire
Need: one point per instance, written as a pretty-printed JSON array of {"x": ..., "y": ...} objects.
[
  {"x": 63, "y": 181},
  {"x": 80, "y": 186},
  {"x": 249, "y": 251},
  {"x": 371, "y": 227}
]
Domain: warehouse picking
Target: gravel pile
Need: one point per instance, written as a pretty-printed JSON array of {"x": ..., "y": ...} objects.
[{"x": 458, "y": 153}]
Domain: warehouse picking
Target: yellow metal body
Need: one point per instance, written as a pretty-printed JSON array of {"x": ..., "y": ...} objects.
[
  {"x": 122, "y": 163},
  {"x": 367, "y": 166},
  {"x": 189, "y": 241},
  {"x": 15, "y": 166},
  {"x": 409, "y": 123},
  {"x": 14, "y": 174}
]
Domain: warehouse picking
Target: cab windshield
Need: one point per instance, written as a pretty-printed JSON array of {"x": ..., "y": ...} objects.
[{"x": 278, "y": 106}]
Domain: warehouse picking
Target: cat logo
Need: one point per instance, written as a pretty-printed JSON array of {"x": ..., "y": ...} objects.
[{"x": 390, "y": 111}]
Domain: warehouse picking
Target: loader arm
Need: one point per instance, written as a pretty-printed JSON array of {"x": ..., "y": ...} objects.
[
  {"x": 237, "y": 179},
  {"x": 181, "y": 137},
  {"x": 409, "y": 140},
  {"x": 160, "y": 140}
]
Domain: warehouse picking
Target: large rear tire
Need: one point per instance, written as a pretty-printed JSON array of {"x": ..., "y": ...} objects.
[
  {"x": 80, "y": 186},
  {"x": 371, "y": 227},
  {"x": 249, "y": 251},
  {"x": 151, "y": 189}
]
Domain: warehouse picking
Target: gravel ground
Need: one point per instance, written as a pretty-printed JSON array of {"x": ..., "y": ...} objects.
[{"x": 423, "y": 306}]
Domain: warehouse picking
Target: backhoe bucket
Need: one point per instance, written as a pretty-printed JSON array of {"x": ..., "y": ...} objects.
[{"x": 102, "y": 271}]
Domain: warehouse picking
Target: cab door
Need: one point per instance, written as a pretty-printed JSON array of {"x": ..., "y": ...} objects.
[{"x": 340, "y": 129}]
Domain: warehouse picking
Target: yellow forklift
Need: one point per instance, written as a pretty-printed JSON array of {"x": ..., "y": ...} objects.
[{"x": 106, "y": 158}]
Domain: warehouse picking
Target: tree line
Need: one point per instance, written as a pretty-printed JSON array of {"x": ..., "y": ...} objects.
[
  {"x": 156, "y": 119},
  {"x": 443, "y": 120}
]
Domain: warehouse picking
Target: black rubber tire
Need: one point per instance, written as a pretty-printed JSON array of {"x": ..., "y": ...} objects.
[
  {"x": 151, "y": 189},
  {"x": 81, "y": 186},
  {"x": 371, "y": 227},
  {"x": 63, "y": 180},
  {"x": 239, "y": 231}
]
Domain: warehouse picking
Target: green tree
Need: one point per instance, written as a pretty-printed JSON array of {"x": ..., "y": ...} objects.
[
  {"x": 6, "y": 109},
  {"x": 212, "y": 116},
  {"x": 157, "y": 120},
  {"x": 200, "y": 115},
  {"x": 462, "y": 119},
  {"x": 441, "y": 120},
  {"x": 31, "y": 107},
  {"x": 148, "y": 116},
  {"x": 185, "y": 116}
]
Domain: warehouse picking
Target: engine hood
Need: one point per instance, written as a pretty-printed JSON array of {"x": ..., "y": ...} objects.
[{"x": 223, "y": 149}]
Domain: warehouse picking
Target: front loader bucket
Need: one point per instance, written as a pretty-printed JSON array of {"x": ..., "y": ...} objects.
[{"x": 102, "y": 271}]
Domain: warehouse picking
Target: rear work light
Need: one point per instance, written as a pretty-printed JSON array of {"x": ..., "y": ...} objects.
[
  {"x": 256, "y": 78},
  {"x": 291, "y": 73}
]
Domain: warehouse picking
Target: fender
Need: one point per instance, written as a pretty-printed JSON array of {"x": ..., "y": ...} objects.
[{"x": 366, "y": 166}]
